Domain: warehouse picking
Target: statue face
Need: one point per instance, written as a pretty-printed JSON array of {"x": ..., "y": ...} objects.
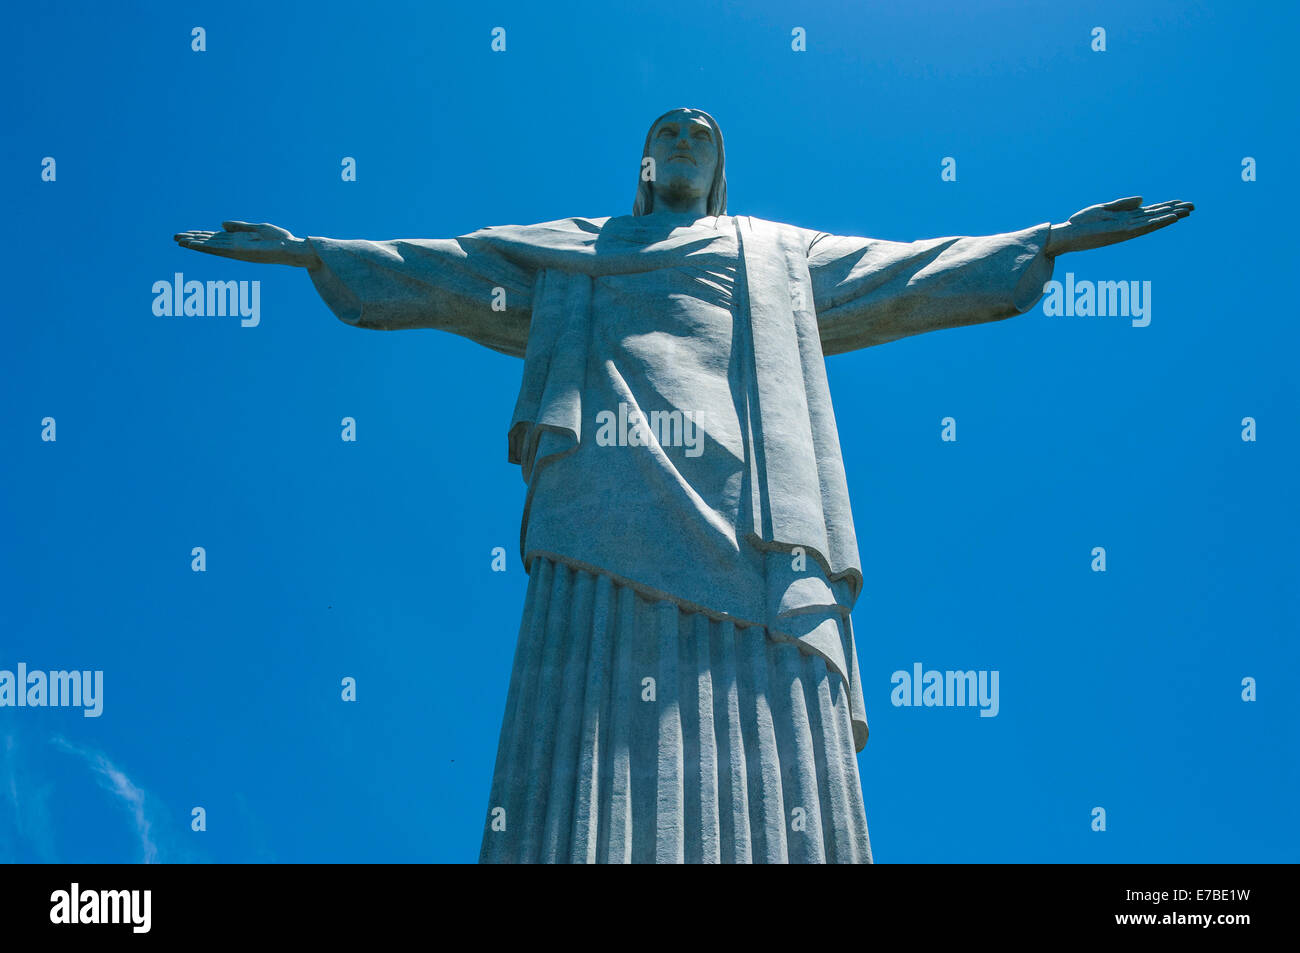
[{"x": 685, "y": 157}]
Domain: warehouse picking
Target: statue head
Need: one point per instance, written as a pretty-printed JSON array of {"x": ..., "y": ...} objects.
[{"x": 689, "y": 163}]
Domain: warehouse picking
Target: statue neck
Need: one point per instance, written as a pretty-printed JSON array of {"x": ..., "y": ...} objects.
[{"x": 670, "y": 204}]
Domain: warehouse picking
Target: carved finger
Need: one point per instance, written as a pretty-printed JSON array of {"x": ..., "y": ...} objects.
[
  {"x": 1172, "y": 206},
  {"x": 1152, "y": 215},
  {"x": 1159, "y": 222},
  {"x": 207, "y": 248},
  {"x": 1124, "y": 205}
]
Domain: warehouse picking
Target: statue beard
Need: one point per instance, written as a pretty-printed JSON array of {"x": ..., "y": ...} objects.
[{"x": 678, "y": 190}]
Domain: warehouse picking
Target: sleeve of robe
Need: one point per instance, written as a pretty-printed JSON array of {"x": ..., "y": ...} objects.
[
  {"x": 867, "y": 291},
  {"x": 447, "y": 284}
]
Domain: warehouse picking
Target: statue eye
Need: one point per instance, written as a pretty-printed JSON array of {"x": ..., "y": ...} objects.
[
  {"x": 667, "y": 131},
  {"x": 703, "y": 134}
]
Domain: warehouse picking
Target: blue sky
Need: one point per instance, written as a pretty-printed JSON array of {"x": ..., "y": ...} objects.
[{"x": 372, "y": 560}]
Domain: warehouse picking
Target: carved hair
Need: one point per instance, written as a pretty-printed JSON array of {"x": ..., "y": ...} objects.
[{"x": 716, "y": 203}]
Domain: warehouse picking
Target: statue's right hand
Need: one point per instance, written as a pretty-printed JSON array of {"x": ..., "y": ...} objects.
[{"x": 264, "y": 244}]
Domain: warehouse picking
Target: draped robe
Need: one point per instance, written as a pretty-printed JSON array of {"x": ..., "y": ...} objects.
[{"x": 721, "y": 322}]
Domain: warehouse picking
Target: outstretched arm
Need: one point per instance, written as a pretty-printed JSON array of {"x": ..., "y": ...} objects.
[
  {"x": 462, "y": 285},
  {"x": 867, "y": 291}
]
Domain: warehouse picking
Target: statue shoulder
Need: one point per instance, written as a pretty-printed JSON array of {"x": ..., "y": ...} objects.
[
  {"x": 563, "y": 233},
  {"x": 792, "y": 235},
  {"x": 576, "y": 225}
]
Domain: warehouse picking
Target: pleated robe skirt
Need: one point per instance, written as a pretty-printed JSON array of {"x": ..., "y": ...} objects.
[{"x": 638, "y": 732}]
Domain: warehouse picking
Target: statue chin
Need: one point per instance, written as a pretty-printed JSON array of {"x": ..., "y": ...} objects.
[{"x": 676, "y": 192}]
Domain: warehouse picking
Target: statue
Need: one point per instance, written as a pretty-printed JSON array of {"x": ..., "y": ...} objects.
[{"x": 685, "y": 685}]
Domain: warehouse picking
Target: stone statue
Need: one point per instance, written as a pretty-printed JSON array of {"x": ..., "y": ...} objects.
[{"x": 685, "y": 686}]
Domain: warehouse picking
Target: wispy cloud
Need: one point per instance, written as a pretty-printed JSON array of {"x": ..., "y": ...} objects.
[
  {"x": 27, "y": 808},
  {"x": 117, "y": 783}
]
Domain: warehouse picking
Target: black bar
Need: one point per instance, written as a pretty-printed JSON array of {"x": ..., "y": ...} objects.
[{"x": 924, "y": 902}]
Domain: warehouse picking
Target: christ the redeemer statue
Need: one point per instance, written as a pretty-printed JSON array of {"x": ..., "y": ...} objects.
[{"x": 685, "y": 685}]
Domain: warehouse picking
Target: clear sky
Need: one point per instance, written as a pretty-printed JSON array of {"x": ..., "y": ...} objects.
[{"x": 372, "y": 559}]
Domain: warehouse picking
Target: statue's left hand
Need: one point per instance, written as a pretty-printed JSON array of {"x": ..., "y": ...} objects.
[
  {"x": 1113, "y": 222},
  {"x": 264, "y": 244}
]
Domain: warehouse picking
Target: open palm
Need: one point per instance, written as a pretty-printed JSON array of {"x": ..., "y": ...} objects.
[
  {"x": 264, "y": 244},
  {"x": 1116, "y": 221}
]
